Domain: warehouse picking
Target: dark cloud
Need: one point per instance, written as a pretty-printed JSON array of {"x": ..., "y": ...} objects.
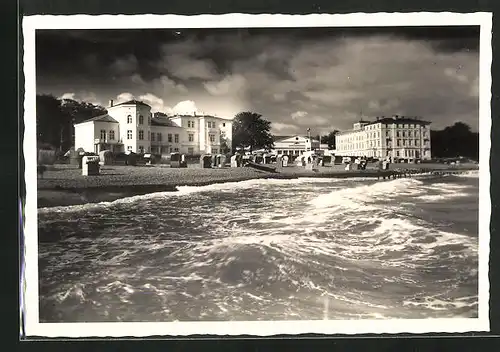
[{"x": 296, "y": 77}]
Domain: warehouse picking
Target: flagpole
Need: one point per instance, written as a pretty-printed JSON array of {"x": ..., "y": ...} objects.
[{"x": 309, "y": 137}]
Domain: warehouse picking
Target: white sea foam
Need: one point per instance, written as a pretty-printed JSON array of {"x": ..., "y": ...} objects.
[
  {"x": 186, "y": 190},
  {"x": 469, "y": 174}
]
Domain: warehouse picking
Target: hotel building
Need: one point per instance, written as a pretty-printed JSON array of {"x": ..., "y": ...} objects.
[
  {"x": 130, "y": 126},
  {"x": 399, "y": 137}
]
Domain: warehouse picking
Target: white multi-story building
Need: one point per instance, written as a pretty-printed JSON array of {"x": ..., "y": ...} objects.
[
  {"x": 130, "y": 126},
  {"x": 399, "y": 137}
]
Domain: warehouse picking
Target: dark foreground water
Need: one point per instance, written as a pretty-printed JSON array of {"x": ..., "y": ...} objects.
[{"x": 266, "y": 250}]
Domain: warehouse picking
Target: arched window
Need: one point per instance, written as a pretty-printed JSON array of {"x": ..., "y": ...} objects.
[
  {"x": 129, "y": 119},
  {"x": 141, "y": 120}
]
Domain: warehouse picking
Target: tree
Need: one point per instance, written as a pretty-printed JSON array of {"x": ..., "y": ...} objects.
[
  {"x": 454, "y": 141},
  {"x": 251, "y": 130},
  {"x": 224, "y": 146},
  {"x": 55, "y": 119},
  {"x": 76, "y": 112},
  {"x": 328, "y": 139}
]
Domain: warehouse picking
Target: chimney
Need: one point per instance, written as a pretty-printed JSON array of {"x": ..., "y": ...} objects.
[
  {"x": 377, "y": 118},
  {"x": 111, "y": 103}
]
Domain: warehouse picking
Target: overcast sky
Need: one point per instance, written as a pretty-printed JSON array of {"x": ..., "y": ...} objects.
[{"x": 322, "y": 78}]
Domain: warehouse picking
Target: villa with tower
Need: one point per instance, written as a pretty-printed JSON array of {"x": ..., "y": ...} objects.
[{"x": 130, "y": 126}]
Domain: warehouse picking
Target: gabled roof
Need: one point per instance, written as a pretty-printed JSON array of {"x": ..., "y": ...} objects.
[
  {"x": 162, "y": 121},
  {"x": 101, "y": 118},
  {"x": 133, "y": 102}
]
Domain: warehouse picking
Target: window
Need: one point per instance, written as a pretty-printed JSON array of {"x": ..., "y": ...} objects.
[
  {"x": 129, "y": 147},
  {"x": 397, "y": 133},
  {"x": 212, "y": 137},
  {"x": 141, "y": 135},
  {"x": 191, "y": 124},
  {"x": 171, "y": 150},
  {"x": 152, "y": 137},
  {"x": 191, "y": 137},
  {"x": 223, "y": 124},
  {"x": 387, "y": 133},
  {"x": 141, "y": 120},
  {"x": 404, "y": 134},
  {"x": 398, "y": 142},
  {"x": 170, "y": 138},
  {"x": 404, "y": 141},
  {"x": 141, "y": 149},
  {"x": 397, "y": 153},
  {"x": 112, "y": 135},
  {"x": 149, "y": 120},
  {"x": 409, "y": 142},
  {"x": 129, "y": 134},
  {"x": 176, "y": 149},
  {"x": 176, "y": 138},
  {"x": 129, "y": 119},
  {"x": 191, "y": 151},
  {"x": 149, "y": 135},
  {"x": 215, "y": 151},
  {"x": 159, "y": 137},
  {"x": 410, "y": 134},
  {"x": 103, "y": 134},
  {"x": 417, "y": 142}
]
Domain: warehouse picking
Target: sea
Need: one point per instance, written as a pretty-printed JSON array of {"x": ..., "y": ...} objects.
[{"x": 302, "y": 249}]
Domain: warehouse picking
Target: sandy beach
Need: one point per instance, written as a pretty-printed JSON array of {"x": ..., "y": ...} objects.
[{"x": 64, "y": 185}]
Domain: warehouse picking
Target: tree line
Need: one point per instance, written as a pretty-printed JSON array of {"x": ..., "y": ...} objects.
[{"x": 55, "y": 119}]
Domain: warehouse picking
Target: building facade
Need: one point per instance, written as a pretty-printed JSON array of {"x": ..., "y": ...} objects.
[
  {"x": 296, "y": 145},
  {"x": 130, "y": 126},
  {"x": 398, "y": 137}
]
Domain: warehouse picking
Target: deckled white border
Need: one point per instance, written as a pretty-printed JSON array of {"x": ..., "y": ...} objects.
[{"x": 261, "y": 328}]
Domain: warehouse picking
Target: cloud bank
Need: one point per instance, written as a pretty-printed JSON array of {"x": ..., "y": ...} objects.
[{"x": 322, "y": 83}]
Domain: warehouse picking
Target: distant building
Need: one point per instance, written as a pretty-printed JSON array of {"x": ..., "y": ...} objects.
[
  {"x": 296, "y": 145},
  {"x": 401, "y": 138},
  {"x": 130, "y": 126}
]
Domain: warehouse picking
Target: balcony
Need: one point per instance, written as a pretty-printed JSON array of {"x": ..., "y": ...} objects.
[{"x": 107, "y": 141}]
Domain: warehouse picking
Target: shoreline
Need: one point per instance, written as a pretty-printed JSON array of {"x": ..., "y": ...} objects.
[{"x": 54, "y": 192}]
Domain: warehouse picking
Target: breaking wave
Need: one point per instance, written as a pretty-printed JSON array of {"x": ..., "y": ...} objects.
[{"x": 266, "y": 250}]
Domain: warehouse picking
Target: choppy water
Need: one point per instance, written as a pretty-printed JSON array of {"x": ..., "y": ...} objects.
[{"x": 266, "y": 250}]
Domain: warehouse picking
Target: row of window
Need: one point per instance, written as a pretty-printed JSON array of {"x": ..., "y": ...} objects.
[
  {"x": 151, "y": 136},
  {"x": 141, "y": 149},
  {"x": 290, "y": 152},
  {"x": 374, "y": 144},
  {"x": 396, "y": 125},
  {"x": 373, "y": 135},
  {"x": 141, "y": 119},
  {"x": 111, "y": 135}
]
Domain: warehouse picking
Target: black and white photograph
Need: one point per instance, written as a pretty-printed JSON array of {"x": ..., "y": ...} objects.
[{"x": 256, "y": 174}]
